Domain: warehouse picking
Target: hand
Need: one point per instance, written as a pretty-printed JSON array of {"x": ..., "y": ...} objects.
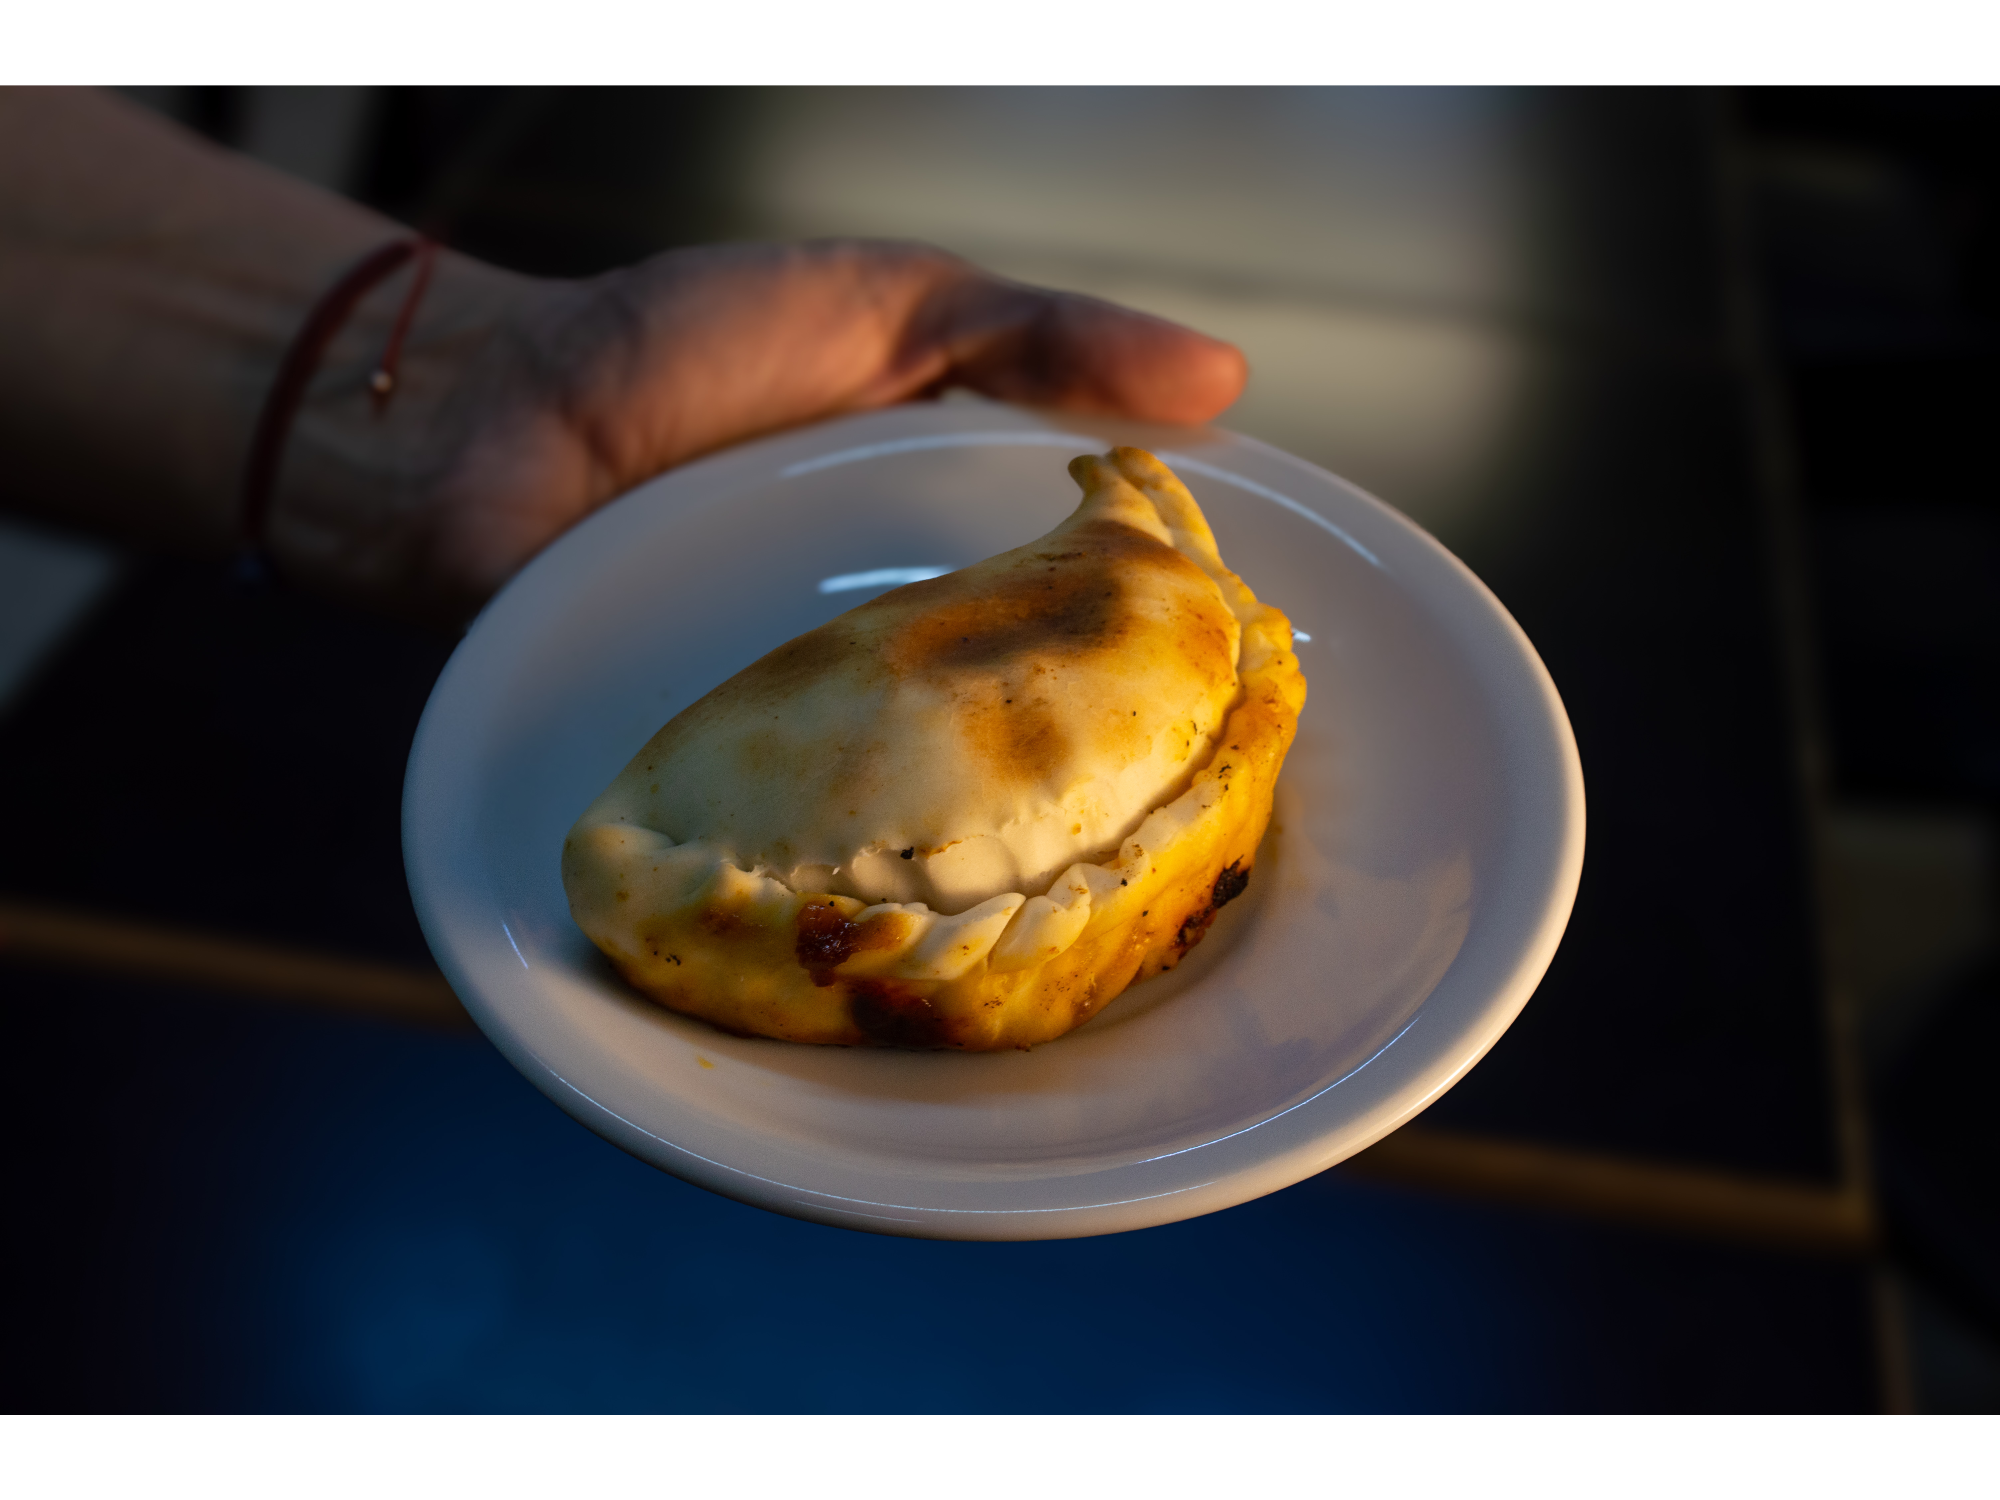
[{"x": 529, "y": 404}]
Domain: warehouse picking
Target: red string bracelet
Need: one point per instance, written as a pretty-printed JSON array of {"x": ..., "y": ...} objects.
[{"x": 288, "y": 390}]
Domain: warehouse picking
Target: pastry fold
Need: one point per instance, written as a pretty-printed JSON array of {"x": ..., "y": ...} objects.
[{"x": 968, "y": 813}]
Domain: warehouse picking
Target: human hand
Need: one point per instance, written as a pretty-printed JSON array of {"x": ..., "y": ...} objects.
[{"x": 531, "y": 403}]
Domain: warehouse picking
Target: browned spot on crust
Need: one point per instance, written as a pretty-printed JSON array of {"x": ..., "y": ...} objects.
[
  {"x": 890, "y": 1015},
  {"x": 721, "y": 920},
  {"x": 1023, "y": 742},
  {"x": 826, "y": 939},
  {"x": 1046, "y": 606}
]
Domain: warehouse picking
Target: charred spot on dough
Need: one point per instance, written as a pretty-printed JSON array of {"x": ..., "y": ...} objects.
[
  {"x": 1229, "y": 884},
  {"x": 825, "y": 939},
  {"x": 894, "y": 1015},
  {"x": 1232, "y": 882}
]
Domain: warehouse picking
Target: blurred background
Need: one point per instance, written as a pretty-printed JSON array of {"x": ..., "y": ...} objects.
[{"x": 1690, "y": 379}]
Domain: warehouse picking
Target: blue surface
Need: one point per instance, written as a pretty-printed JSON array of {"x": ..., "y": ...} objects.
[{"x": 246, "y": 1209}]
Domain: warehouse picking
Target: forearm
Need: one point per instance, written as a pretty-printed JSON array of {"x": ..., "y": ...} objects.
[{"x": 149, "y": 284}]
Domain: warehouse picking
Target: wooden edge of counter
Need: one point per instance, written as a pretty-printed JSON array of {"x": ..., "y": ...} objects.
[
  {"x": 164, "y": 955},
  {"x": 1773, "y": 1212},
  {"x": 1778, "y": 1213}
]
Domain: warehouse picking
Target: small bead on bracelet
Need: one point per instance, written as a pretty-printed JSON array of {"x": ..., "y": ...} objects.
[{"x": 288, "y": 389}]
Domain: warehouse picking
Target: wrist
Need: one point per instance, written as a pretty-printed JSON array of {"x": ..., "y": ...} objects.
[{"x": 354, "y": 509}]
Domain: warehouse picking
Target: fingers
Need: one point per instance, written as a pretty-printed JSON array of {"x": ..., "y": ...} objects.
[
  {"x": 735, "y": 340},
  {"x": 1045, "y": 348}
]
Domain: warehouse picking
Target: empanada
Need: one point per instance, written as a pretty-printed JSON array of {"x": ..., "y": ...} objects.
[{"x": 969, "y": 812}]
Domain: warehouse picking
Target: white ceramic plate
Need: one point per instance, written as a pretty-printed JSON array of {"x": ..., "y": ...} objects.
[{"x": 1419, "y": 871}]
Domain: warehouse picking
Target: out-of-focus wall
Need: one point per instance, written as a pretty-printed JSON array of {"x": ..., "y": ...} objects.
[
  {"x": 320, "y": 133},
  {"x": 1368, "y": 249}
]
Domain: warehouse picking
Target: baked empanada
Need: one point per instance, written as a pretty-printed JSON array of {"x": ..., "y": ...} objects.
[{"x": 969, "y": 812}]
